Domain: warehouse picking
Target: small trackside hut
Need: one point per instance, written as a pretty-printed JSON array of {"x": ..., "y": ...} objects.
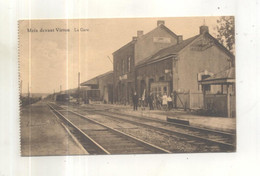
[{"x": 223, "y": 102}]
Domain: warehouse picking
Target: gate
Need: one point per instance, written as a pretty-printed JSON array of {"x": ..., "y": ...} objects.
[{"x": 189, "y": 100}]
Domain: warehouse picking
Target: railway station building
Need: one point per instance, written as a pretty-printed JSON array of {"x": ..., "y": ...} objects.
[
  {"x": 162, "y": 62},
  {"x": 126, "y": 58}
]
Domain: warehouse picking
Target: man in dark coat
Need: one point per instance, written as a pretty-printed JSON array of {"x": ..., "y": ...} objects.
[
  {"x": 150, "y": 101},
  {"x": 135, "y": 101}
]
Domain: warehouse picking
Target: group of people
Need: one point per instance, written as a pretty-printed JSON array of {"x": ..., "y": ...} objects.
[{"x": 164, "y": 102}]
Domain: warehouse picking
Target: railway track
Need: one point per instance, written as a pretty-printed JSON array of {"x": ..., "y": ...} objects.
[
  {"x": 225, "y": 141},
  {"x": 98, "y": 138}
]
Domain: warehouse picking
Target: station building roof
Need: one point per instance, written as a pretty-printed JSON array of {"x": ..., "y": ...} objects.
[
  {"x": 223, "y": 77},
  {"x": 175, "y": 49},
  {"x": 95, "y": 80},
  {"x": 163, "y": 27},
  {"x": 169, "y": 51}
]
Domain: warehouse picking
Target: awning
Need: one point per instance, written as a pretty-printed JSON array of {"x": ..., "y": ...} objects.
[{"x": 223, "y": 77}]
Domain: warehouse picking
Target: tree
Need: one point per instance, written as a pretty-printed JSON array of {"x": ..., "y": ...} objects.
[{"x": 226, "y": 32}]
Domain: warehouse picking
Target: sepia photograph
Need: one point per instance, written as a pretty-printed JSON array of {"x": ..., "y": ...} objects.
[{"x": 127, "y": 86}]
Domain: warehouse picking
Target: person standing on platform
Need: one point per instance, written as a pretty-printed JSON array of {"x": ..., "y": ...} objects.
[
  {"x": 135, "y": 101},
  {"x": 143, "y": 100},
  {"x": 150, "y": 101},
  {"x": 169, "y": 101},
  {"x": 158, "y": 102},
  {"x": 164, "y": 101}
]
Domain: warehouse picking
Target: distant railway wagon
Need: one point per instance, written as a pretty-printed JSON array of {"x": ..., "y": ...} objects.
[{"x": 62, "y": 97}]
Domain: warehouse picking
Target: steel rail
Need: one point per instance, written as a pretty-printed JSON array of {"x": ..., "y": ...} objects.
[
  {"x": 99, "y": 148},
  {"x": 188, "y": 127},
  {"x": 145, "y": 144},
  {"x": 177, "y": 124},
  {"x": 230, "y": 135},
  {"x": 172, "y": 123},
  {"x": 223, "y": 144},
  {"x": 191, "y": 136},
  {"x": 148, "y": 145}
]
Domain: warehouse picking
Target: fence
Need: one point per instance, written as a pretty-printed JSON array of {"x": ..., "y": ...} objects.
[
  {"x": 233, "y": 105},
  {"x": 216, "y": 104},
  {"x": 189, "y": 100}
]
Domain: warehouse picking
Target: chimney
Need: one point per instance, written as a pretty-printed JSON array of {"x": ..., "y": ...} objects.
[
  {"x": 204, "y": 29},
  {"x": 134, "y": 38},
  {"x": 179, "y": 39},
  {"x": 140, "y": 33},
  {"x": 160, "y": 22}
]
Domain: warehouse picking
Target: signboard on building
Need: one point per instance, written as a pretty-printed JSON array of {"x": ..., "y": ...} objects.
[{"x": 162, "y": 40}]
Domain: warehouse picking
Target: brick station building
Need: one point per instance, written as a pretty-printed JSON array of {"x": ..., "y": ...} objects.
[
  {"x": 161, "y": 61},
  {"x": 181, "y": 66}
]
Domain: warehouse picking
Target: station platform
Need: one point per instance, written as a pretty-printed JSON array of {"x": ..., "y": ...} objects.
[
  {"x": 209, "y": 122},
  {"x": 42, "y": 134}
]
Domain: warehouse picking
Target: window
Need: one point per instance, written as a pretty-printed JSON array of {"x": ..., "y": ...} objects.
[
  {"x": 117, "y": 66},
  {"x": 123, "y": 66},
  {"x": 205, "y": 87},
  {"x": 165, "y": 89},
  {"x": 205, "y": 77},
  {"x": 128, "y": 64}
]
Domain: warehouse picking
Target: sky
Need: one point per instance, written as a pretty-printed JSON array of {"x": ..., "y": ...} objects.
[{"x": 51, "y": 60}]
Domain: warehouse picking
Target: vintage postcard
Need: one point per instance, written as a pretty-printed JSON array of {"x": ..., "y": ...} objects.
[{"x": 127, "y": 86}]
